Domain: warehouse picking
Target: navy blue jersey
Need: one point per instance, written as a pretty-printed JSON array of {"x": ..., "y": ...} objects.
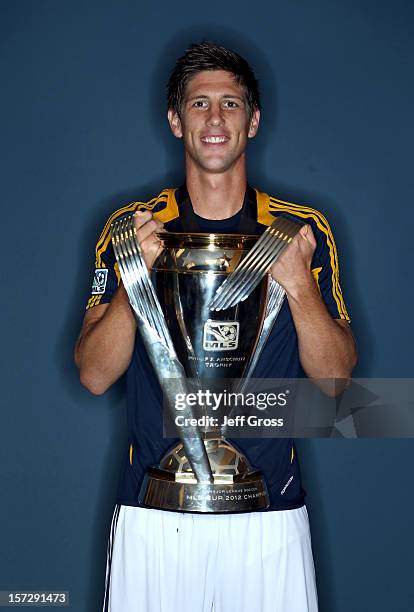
[{"x": 277, "y": 458}]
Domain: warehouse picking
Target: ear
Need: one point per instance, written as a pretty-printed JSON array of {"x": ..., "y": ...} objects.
[
  {"x": 254, "y": 124},
  {"x": 175, "y": 123}
]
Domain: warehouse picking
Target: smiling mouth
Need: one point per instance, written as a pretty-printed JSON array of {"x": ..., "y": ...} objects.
[{"x": 214, "y": 139}]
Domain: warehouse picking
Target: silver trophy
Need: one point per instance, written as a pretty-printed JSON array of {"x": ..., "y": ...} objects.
[{"x": 190, "y": 332}]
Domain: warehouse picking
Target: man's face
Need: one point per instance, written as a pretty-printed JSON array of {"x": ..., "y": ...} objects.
[{"x": 214, "y": 121}]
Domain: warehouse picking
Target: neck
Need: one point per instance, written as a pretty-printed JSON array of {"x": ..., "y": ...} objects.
[{"x": 216, "y": 195}]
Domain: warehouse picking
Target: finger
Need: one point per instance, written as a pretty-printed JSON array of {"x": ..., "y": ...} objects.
[
  {"x": 306, "y": 235},
  {"x": 150, "y": 227},
  {"x": 150, "y": 242},
  {"x": 309, "y": 236},
  {"x": 151, "y": 246},
  {"x": 141, "y": 217},
  {"x": 160, "y": 225}
]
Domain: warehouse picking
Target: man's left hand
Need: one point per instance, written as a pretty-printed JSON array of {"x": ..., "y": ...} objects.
[{"x": 292, "y": 268}]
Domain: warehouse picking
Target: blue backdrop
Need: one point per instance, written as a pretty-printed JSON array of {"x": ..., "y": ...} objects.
[{"x": 84, "y": 132}]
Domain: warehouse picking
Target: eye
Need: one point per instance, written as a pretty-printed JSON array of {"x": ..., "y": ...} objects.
[
  {"x": 200, "y": 104},
  {"x": 231, "y": 104}
]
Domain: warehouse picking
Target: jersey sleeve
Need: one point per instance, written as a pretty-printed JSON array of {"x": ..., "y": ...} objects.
[
  {"x": 325, "y": 269},
  {"x": 106, "y": 277}
]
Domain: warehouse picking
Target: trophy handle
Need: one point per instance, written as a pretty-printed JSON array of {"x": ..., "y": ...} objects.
[
  {"x": 156, "y": 337},
  {"x": 184, "y": 332},
  {"x": 275, "y": 297}
]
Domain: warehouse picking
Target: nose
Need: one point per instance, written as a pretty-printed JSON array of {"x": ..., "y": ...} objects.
[{"x": 215, "y": 116}]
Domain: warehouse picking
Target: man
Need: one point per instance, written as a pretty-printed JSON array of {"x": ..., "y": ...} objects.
[{"x": 170, "y": 561}]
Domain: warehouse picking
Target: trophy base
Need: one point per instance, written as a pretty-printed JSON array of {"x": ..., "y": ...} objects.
[{"x": 236, "y": 487}]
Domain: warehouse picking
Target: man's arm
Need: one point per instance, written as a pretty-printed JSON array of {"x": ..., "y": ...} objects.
[
  {"x": 104, "y": 348},
  {"x": 105, "y": 344},
  {"x": 326, "y": 346}
]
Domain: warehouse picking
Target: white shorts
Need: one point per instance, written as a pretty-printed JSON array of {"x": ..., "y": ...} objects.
[{"x": 174, "y": 562}]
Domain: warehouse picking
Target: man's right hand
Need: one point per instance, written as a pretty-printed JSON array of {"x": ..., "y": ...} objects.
[
  {"x": 150, "y": 244},
  {"x": 106, "y": 341}
]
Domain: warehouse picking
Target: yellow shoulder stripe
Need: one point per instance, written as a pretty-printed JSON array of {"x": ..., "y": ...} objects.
[
  {"x": 267, "y": 204},
  {"x": 171, "y": 211},
  {"x": 263, "y": 214},
  {"x": 167, "y": 196}
]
